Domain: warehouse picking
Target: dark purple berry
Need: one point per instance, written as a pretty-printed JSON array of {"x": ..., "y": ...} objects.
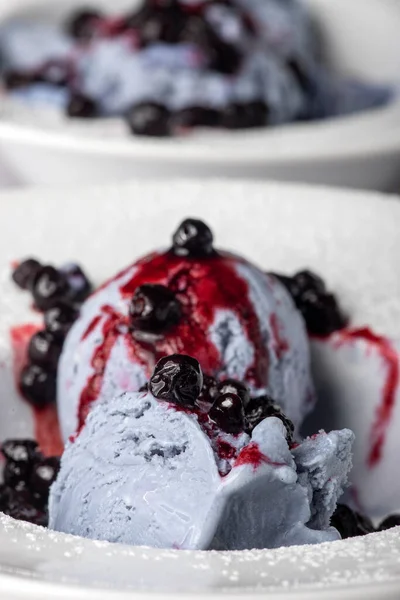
[
  {"x": 228, "y": 413},
  {"x": 307, "y": 281},
  {"x": 149, "y": 118},
  {"x": 262, "y": 408},
  {"x": 390, "y": 522},
  {"x": 18, "y": 505},
  {"x": 231, "y": 386},
  {"x": 178, "y": 379},
  {"x": 38, "y": 385},
  {"x": 79, "y": 285},
  {"x": 193, "y": 239},
  {"x": 82, "y": 25},
  {"x": 321, "y": 313},
  {"x": 154, "y": 309},
  {"x": 245, "y": 116},
  {"x": 49, "y": 287},
  {"x": 44, "y": 349},
  {"x": 43, "y": 475},
  {"x": 16, "y": 474},
  {"x": 195, "y": 116},
  {"x": 19, "y": 451},
  {"x": 14, "y": 80},
  {"x": 162, "y": 22},
  {"x": 25, "y": 273},
  {"x": 59, "y": 319},
  {"x": 81, "y": 107},
  {"x": 349, "y": 523},
  {"x": 209, "y": 390}
]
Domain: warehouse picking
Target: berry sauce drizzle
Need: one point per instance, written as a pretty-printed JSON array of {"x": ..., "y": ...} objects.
[
  {"x": 391, "y": 359},
  {"x": 203, "y": 287},
  {"x": 252, "y": 455},
  {"x": 47, "y": 432}
]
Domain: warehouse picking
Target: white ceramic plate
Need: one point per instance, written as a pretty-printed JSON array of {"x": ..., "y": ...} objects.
[
  {"x": 358, "y": 151},
  {"x": 351, "y": 238}
]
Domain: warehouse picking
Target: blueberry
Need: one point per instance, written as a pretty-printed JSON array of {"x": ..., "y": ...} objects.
[
  {"x": 59, "y": 319},
  {"x": 209, "y": 390},
  {"x": 178, "y": 379},
  {"x": 154, "y": 309},
  {"x": 262, "y": 408},
  {"x": 158, "y": 23},
  {"x": 19, "y": 451},
  {"x": 231, "y": 386},
  {"x": 16, "y": 474},
  {"x": 349, "y": 523},
  {"x": 79, "y": 284},
  {"x": 193, "y": 239},
  {"x": 25, "y": 273},
  {"x": 18, "y": 505},
  {"x": 149, "y": 118},
  {"x": 14, "y": 80},
  {"x": 81, "y": 106},
  {"x": 44, "y": 349},
  {"x": 38, "y": 385},
  {"x": 390, "y": 522},
  {"x": 83, "y": 23},
  {"x": 307, "y": 281},
  {"x": 49, "y": 287},
  {"x": 321, "y": 313},
  {"x": 245, "y": 116},
  {"x": 228, "y": 413},
  {"x": 195, "y": 116},
  {"x": 43, "y": 475}
]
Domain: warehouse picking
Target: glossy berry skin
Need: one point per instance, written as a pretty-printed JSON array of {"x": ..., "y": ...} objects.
[
  {"x": 79, "y": 285},
  {"x": 44, "y": 473},
  {"x": 49, "y": 287},
  {"x": 227, "y": 413},
  {"x": 82, "y": 25},
  {"x": 209, "y": 390},
  {"x": 389, "y": 523},
  {"x": 262, "y": 408},
  {"x": 25, "y": 273},
  {"x": 18, "y": 504},
  {"x": 19, "y": 451},
  {"x": 193, "y": 239},
  {"x": 154, "y": 309},
  {"x": 59, "y": 319},
  {"x": 321, "y": 313},
  {"x": 149, "y": 119},
  {"x": 38, "y": 385},
  {"x": 44, "y": 349},
  {"x": 231, "y": 386},
  {"x": 81, "y": 107},
  {"x": 177, "y": 379},
  {"x": 349, "y": 523}
]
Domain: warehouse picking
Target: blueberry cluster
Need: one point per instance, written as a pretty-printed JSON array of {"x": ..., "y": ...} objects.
[
  {"x": 352, "y": 524},
  {"x": 320, "y": 308},
  {"x": 179, "y": 379},
  {"x": 27, "y": 478},
  {"x": 57, "y": 293}
]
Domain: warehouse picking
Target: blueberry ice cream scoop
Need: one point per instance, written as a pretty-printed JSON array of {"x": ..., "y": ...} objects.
[
  {"x": 165, "y": 472},
  {"x": 238, "y": 322}
]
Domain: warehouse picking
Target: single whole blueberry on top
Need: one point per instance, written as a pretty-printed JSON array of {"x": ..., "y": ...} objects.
[
  {"x": 228, "y": 413},
  {"x": 154, "y": 309},
  {"x": 193, "y": 239},
  {"x": 177, "y": 378},
  {"x": 231, "y": 386},
  {"x": 49, "y": 287},
  {"x": 25, "y": 273}
]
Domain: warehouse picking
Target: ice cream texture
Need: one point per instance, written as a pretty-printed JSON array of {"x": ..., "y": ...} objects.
[
  {"x": 234, "y": 319},
  {"x": 146, "y": 472}
]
